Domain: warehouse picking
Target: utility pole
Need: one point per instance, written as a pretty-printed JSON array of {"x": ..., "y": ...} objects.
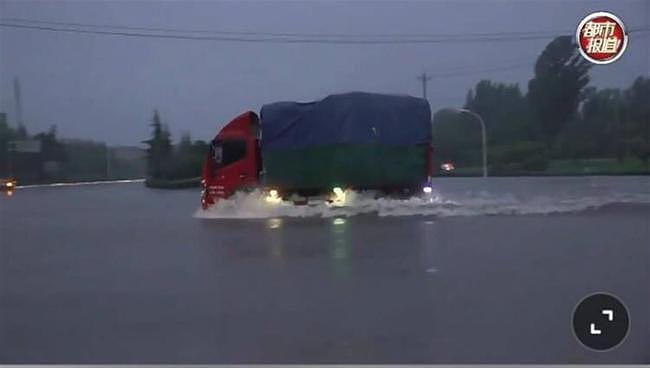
[{"x": 424, "y": 78}]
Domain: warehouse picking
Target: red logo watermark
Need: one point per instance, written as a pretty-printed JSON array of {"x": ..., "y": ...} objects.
[{"x": 601, "y": 37}]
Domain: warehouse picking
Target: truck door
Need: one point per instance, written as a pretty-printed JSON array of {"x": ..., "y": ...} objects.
[{"x": 234, "y": 166}]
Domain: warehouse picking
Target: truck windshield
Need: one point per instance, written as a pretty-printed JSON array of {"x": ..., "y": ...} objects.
[{"x": 225, "y": 152}]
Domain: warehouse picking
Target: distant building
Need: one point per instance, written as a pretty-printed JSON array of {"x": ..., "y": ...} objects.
[
  {"x": 128, "y": 162},
  {"x": 127, "y": 153}
]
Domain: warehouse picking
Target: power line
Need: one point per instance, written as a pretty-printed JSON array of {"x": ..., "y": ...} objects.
[
  {"x": 259, "y": 37},
  {"x": 284, "y": 34},
  {"x": 267, "y": 39},
  {"x": 513, "y": 34},
  {"x": 270, "y": 39}
]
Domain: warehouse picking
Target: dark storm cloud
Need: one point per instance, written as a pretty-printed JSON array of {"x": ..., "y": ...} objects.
[{"x": 105, "y": 87}]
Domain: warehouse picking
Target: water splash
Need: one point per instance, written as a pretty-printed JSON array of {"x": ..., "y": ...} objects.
[{"x": 253, "y": 206}]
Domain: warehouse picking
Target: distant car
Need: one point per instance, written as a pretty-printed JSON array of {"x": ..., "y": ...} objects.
[
  {"x": 7, "y": 183},
  {"x": 447, "y": 167}
]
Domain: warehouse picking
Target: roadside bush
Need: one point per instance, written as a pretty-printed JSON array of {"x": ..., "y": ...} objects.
[
  {"x": 521, "y": 156},
  {"x": 641, "y": 149}
]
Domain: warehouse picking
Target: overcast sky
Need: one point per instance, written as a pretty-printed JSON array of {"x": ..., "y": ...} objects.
[{"x": 105, "y": 87}]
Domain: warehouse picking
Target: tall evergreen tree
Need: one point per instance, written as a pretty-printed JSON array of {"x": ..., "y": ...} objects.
[{"x": 160, "y": 148}]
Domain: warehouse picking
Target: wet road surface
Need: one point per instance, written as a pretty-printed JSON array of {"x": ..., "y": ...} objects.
[{"x": 124, "y": 274}]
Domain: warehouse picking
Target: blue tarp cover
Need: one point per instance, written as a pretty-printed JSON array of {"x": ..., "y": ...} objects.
[{"x": 349, "y": 118}]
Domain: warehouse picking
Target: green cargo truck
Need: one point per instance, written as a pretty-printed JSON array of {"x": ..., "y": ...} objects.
[{"x": 347, "y": 141}]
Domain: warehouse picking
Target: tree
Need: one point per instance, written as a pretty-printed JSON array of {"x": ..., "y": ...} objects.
[
  {"x": 21, "y": 132},
  {"x": 561, "y": 74},
  {"x": 51, "y": 148},
  {"x": 7, "y": 134},
  {"x": 597, "y": 131},
  {"x": 504, "y": 110},
  {"x": 637, "y": 106},
  {"x": 160, "y": 148}
]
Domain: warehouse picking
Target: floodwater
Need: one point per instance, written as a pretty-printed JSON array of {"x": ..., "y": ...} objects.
[{"x": 483, "y": 271}]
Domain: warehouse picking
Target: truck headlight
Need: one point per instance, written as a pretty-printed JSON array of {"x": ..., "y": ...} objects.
[
  {"x": 273, "y": 196},
  {"x": 339, "y": 195}
]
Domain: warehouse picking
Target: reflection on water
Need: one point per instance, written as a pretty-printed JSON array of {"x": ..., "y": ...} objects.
[
  {"x": 428, "y": 246},
  {"x": 9, "y": 193},
  {"x": 340, "y": 248},
  {"x": 274, "y": 223},
  {"x": 276, "y": 239}
]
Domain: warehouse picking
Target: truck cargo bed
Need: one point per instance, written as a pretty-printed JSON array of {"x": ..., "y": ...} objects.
[
  {"x": 356, "y": 166},
  {"x": 359, "y": 140}
]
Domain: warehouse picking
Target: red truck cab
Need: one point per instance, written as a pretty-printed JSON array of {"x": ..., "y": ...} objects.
[{"x": 234, "y": 161}]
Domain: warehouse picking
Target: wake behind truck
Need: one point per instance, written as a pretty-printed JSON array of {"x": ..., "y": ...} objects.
[{"x": 358, "y": 140}]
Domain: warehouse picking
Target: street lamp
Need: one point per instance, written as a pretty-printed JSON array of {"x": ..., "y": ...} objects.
[{"x": 483, "y": 134}]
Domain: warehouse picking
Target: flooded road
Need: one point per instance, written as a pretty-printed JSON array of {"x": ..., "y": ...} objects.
[{"x": 119, "y": 273}]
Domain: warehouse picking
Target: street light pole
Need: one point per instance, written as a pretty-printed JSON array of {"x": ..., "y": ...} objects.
[{"x": 483, "y": 135}]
